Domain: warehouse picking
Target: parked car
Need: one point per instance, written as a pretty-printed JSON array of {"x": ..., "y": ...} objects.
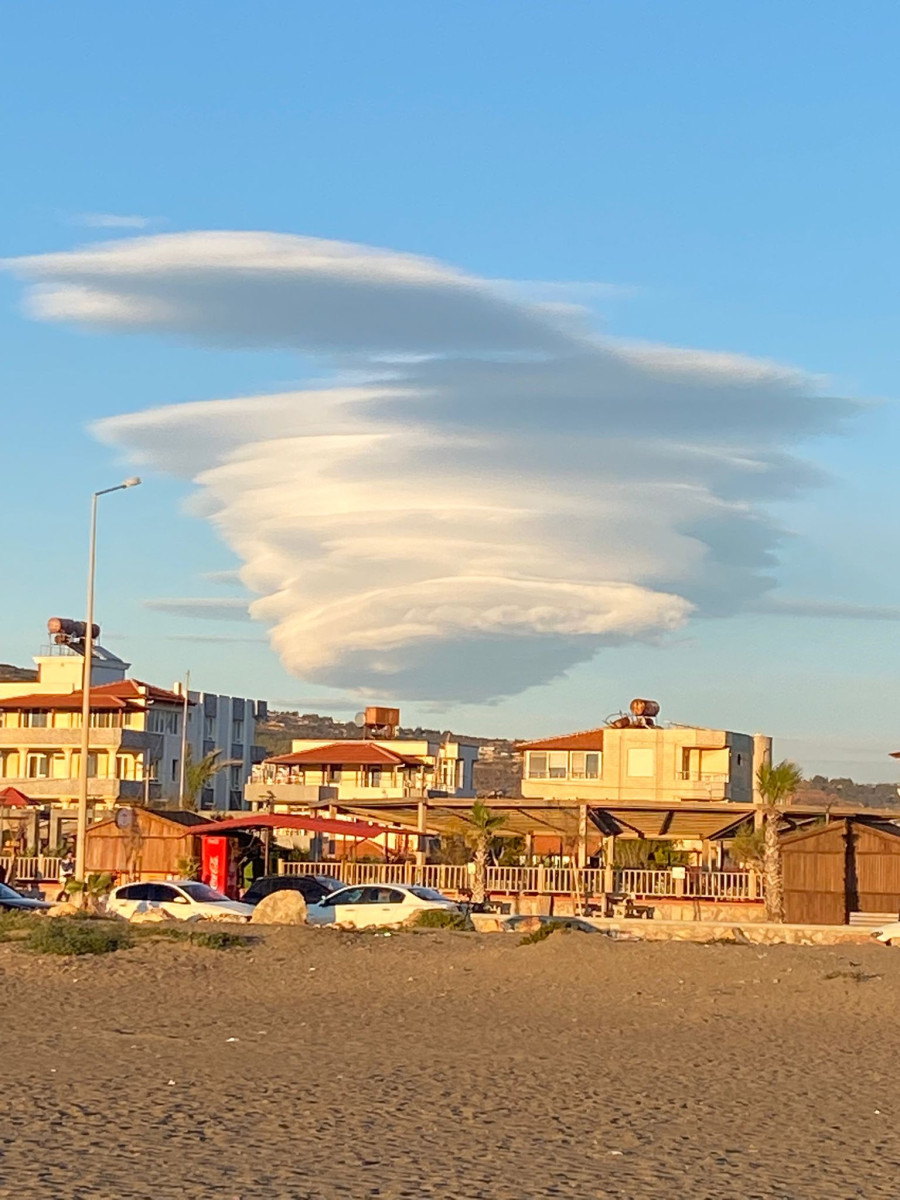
[
  {"x": 182, "y": 899},
  {"x": 377, "y": 905},
  {"x": 889, "y": 934},
  {"x": 312, "y": 888},
  {"x": 13, "y": 901}
]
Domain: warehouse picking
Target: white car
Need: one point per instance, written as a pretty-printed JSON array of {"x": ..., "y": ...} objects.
[
  {"x": 182, "y": 899},
  {"x": 889, "y": 934},
  {"x": 379, "y": 904}
]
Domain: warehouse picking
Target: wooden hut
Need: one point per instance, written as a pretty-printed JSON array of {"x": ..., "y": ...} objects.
[
  {"x": 143, "y": 843},
  {"x": 841, "y": 870}
]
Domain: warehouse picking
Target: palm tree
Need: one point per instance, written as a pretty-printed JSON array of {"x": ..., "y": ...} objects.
[
  {"x": 483, "y": 824},
  {"x": 197, "y": 775},
  {"x": 776, "y": 785}
]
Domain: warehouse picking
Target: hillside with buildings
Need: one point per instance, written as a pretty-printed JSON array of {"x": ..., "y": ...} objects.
[{"x": 499, "y": 768}]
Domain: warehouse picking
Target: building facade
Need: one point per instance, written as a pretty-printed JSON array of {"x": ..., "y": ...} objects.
[
  {"x": 135, "y": 739},
  {"x": 373, "y": 769},
  {"x": 670, "y": 764}
]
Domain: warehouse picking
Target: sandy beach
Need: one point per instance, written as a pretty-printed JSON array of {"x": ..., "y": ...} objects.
[{"x": 329, "y": 1065}]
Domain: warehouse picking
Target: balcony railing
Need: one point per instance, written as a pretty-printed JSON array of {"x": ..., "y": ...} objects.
[{"x": 704, "y": 776}]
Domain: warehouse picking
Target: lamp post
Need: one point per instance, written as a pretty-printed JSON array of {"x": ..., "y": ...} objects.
[{"x": 86, "y": 681}]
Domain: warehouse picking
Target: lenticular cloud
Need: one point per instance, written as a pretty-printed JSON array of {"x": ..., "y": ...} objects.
[{"x": 482, "y": 494}]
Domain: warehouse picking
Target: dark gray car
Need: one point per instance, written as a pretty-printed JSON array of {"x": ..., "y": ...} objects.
[
  {"x": 13, "y": 901},
  {"x": 312, "y": 888}
]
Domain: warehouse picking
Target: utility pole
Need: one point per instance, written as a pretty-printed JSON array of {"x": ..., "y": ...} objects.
[
  {"x": 80, "y": 847},
  {"x": 184, "y": 742}
]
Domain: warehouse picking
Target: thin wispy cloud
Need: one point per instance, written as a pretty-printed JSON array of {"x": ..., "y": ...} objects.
[
  {"x": 482, "y": 493},
  {"x": 797, "y": 606},
  {"x": 202, "y": 608},
  {"x": 114, "y": 221}
]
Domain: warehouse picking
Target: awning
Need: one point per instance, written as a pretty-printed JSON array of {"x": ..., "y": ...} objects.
[
  {"x": 11, "y": 797},
  {"x": 350, "y": 829}
]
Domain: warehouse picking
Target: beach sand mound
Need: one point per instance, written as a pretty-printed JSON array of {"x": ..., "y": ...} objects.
[
  {"x": 437, "y": 1066},
  {"x": 286, "y": 907}
]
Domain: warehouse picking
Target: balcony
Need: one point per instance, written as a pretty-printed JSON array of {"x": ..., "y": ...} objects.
[
  {"x": 101, "y": 739},
  {"x": 105, "y": 790},
  {"x": 303, "y": 795}
]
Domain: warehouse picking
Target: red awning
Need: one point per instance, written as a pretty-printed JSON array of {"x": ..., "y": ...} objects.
[
  {"x": 12, "y": 798},
  {"x": 350, "y": 829}
]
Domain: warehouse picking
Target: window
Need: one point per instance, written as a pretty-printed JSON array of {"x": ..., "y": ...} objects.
[
  {"x": 237, "y": 729},
  {"x": 125, "y": 766},
  {"x": 236, "y": 773},
  {"x": 105, "y": 720},
  {"x": 209, "y": 728},
  {"x": 641, "y": 763},
  {"x": 163, "y": 893},
  {"x": 9, "y": 764},
  {"x": 93, "y": 763},
  {"x": 38, "y": 766},
  {"x": 373, "y": 777},
  {"x": 38, "y": 719},
  {"x": 585, "y": 764},
  {"x": 202, "y": 892},
  {"x": 347, "y": 896},
  {"x": 548, "y": 764},
  {"x": 174, "y": 769},
  {"x": 134, "y": 891}
]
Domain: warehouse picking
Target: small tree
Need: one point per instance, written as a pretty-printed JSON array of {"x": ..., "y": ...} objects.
[
  {"x": 483, "y": 824},
  {"x": 197, "y": 775},
  {"x": 776, "y": 784},
  {"x": 92, "y": 892}
]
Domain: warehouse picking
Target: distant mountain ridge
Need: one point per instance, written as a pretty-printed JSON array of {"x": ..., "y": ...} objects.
[{"x": 11, "y": 674}]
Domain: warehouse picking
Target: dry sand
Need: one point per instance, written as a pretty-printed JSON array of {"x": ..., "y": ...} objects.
[{"x": 328, "y": 1065}]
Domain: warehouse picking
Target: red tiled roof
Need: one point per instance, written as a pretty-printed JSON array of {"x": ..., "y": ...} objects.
[
  {"x": 347, "y": 753},
  {"x": 587, "y": 739},
  {"x": 124, "y": 693}
]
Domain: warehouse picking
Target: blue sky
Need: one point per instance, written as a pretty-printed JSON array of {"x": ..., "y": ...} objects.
[{"x": 730, "y": 170}]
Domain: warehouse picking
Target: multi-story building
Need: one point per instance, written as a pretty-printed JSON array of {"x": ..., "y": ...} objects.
[
  {"x": 135, "y": 736},
  {"x": 366, "y": 770},
  {"x": 636, "y": 760}
]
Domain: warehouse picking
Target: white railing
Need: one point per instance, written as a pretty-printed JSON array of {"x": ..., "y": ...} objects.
[
  {"x": 640, "y": 882},
  {"x": 29, "y": 869},
  {"x": 719, "y": 885}
]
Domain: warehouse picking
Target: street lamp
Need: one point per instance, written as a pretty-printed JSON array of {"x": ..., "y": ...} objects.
[{"x": 86, "y": 680}]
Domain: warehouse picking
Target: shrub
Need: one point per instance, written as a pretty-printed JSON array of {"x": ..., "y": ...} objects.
[
  {"x": 63, "y": 936},
  {"x": 208, "y": 939},
  {"x": 437, "y": 918}
]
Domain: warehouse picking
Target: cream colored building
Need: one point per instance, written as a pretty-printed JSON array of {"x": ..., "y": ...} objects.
[
  {"x": 350, "y": 771},
  {"x": 135, "y": 739},
  {"x": 662, "y": 764}
]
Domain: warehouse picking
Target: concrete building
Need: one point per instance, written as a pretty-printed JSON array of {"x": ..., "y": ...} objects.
[
  {"x": 672, "y": 764},
  {"x": 347, "y": 772},
  {"x": 136, "y": 735}
]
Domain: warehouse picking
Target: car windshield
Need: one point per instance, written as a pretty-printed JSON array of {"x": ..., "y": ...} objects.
[
  {"x": 427, "y": 893},
  {"x": 7, "y": 893},
  {"x": 199, "y": 891}
]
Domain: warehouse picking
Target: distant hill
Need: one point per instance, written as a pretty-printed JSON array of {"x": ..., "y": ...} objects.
[
  {"x": 11, "y": 674},
  {"x": 821, "y": 790},
  {"x": 498, "y": 768}
]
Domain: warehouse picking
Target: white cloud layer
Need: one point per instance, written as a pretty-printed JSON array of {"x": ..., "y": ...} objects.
[{"x": 496, "y": 496}]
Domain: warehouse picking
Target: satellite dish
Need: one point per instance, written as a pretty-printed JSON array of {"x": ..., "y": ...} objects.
[{"x": 359, "y": 719}]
